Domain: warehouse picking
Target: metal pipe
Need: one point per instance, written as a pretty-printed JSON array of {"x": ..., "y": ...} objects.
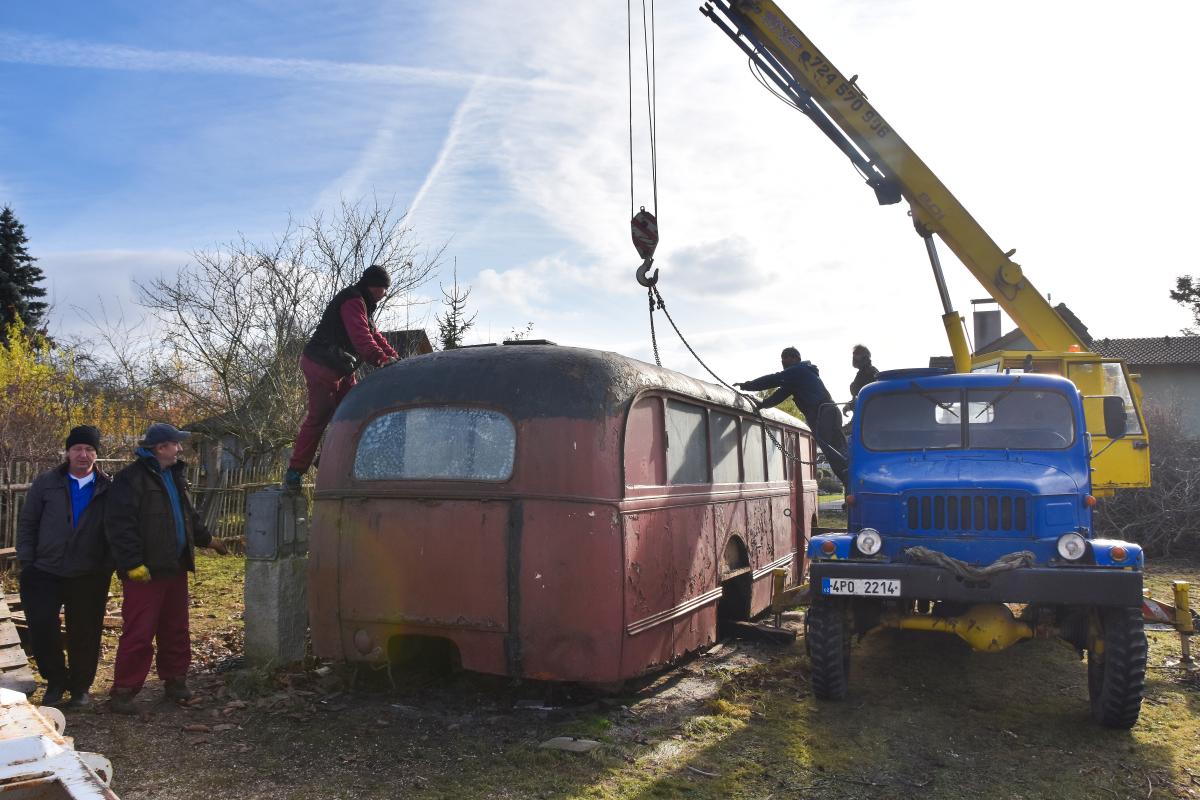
[{"x": 931, "y": 249}]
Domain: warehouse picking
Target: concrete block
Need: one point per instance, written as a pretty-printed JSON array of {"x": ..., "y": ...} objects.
[{"x": 276, "y": 610}]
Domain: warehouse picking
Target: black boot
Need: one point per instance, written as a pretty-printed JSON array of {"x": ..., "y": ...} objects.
[{"x": 53, "y": 695}]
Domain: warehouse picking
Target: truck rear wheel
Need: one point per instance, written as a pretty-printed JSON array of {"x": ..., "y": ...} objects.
[
  {"x": 1117, "y": 676},
  {"x": 827, "y": 635}
]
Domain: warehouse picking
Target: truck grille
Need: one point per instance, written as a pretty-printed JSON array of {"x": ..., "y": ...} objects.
[{"x": 968, "y": 512}]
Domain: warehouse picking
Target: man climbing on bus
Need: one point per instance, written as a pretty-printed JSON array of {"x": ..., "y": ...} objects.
[
  {"x": 801, "y": 381},
  {"x": 345, "y": 338}
]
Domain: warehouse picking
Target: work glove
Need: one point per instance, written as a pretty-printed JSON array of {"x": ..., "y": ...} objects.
[{"x": 139, "y": 574}]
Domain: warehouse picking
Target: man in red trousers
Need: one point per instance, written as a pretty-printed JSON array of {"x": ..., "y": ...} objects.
[{"x": 345, "y": 337}]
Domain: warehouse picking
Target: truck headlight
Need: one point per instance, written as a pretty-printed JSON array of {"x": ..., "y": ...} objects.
[
  {"x": 1072, "y": 546},
  {"x": 868, "y": 541}
]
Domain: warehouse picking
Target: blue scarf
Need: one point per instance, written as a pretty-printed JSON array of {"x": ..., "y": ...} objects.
[{"x": 172, "y": 492}]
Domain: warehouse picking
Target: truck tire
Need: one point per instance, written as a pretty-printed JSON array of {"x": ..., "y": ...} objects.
[
  {"x": 1116, "y": 679},
  {"x": 827, "y": 636}
]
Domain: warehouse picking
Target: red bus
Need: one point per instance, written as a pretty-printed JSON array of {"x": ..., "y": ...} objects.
[{"x": 549, "y": 512}]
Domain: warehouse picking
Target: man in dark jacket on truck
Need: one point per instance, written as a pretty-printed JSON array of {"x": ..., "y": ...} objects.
[
  {"x": 345, "y": 338},
  {"x": 65, "y": 564},
  {"x": 801, "y": 380},
  {"x": 153, "y": 529}
]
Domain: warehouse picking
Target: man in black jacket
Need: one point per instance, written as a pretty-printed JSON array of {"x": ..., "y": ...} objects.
[
  {"x": 153, "y": 530},
  {"x": 65, "y": 564},
  {"x": 802, "y": 381}
]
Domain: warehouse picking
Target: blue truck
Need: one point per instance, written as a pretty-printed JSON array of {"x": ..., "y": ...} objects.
[{"x": 969, "y": 511}]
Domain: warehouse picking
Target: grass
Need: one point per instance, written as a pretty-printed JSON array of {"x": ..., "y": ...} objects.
[{"x": 926, "y": 717}]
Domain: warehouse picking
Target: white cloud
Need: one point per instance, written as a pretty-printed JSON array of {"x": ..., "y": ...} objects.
[{"x": 88, "y": 279}]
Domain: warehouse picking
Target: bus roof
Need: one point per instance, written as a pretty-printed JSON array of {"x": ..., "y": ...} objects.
[{"x": 529, "y": 381}]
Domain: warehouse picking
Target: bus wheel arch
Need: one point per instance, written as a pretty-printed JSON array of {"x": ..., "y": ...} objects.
[{"x": 737, "y": 585}]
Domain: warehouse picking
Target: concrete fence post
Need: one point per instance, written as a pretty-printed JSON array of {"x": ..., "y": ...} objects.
[{"x": 276, "y": 593}]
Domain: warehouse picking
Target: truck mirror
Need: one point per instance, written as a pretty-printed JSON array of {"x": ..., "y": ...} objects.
[{"x": 1114, "y": 417}]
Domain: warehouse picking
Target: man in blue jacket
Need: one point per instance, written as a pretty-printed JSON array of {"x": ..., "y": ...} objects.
[
  {"x": 802, "y": 382},
  {"x": 65, "y": 564},
  {"x": 153, "y": 530}
]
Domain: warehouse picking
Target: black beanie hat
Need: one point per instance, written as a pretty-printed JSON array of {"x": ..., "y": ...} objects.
[
  {"x": 84, "y": 434},
  {"x": 375, "y": 275}
]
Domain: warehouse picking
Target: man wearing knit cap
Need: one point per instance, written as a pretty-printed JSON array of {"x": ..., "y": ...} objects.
[
  {"x": 65, "y": 564},
  {"x": 345, "y": 338},
  {"x": 153, "y": 530}
]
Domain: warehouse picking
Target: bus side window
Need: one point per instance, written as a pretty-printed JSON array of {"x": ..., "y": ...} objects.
[
  {"x": 645, "y": 451},
  {"x": 687, "y": 444},
  {"x": 776, "y": 471},
  {"x": 752, "y": 452},
  {"x": 723, "y": 431}
]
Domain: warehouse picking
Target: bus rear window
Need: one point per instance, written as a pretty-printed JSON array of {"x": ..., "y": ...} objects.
[{"x": 437, "y": 444}]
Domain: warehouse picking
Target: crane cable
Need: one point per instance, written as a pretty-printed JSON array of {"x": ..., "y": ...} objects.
[{"x": 644, "y": 224}]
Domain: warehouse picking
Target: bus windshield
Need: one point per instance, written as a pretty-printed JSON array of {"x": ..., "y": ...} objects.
[{"x": 995, "y": 419}]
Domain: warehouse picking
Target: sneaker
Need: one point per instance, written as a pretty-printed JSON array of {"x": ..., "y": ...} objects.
[
  {"x": 177, "y": 689},
  {"x": 120, "y": 701},
  {"x": 53, "y": 695},
  {"x": 292, "y": 480}
]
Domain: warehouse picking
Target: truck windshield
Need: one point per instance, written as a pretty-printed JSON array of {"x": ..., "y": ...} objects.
[{"x": 995, "y": 419}]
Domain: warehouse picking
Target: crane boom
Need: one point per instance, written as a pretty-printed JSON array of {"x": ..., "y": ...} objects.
[{"x": 838, "y": 106}]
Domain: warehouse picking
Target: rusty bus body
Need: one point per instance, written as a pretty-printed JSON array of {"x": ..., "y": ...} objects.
[{"x": 555, "y": 513}]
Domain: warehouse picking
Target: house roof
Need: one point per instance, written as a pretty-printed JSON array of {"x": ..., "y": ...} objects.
[
  {"x": 1149, "y": 350},
  {"x": 409, "y": 343}
]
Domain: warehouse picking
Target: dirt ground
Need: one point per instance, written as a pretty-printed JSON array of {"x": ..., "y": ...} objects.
[{"x": 926, "y": 718}]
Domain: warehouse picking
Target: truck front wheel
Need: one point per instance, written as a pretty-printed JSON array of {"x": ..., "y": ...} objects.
[
  {"x": 1117, "y": 671},
  {"x": 827, "y": 635}
]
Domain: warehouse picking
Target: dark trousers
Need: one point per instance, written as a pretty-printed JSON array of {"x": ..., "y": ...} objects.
[
  {"x": 153, "y": 613},
  {"x": 832, "y": 441},
  {"x": 84, "y": 598},
  {"x": 325, "y": 391}
]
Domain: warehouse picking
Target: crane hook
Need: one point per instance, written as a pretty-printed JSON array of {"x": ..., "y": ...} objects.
[
  {"x": 643, "y": 277},
  {"x": 645, "y": 239}
]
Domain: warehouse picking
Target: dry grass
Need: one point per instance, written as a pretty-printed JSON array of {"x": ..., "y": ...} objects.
[{"x": 926, "y": 718}]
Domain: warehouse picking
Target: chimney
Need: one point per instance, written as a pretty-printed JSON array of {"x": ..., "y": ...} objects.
[{"x": 986, "y": 323}]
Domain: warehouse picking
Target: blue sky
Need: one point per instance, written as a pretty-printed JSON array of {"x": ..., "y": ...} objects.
[{"x": 132, "y": 134}]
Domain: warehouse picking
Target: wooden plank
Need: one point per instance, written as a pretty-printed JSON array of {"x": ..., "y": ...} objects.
[
  {"x": 7, "y": 553},
  {"x": 19, "y": 680},
  {"x": 9, "y": 635},
  {"x": 12, "y": 657}
]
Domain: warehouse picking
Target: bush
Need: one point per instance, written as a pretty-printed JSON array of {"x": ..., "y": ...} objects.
[{"x": 1164, "y": 518}]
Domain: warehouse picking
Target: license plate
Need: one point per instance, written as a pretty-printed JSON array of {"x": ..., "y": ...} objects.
[{"x": 862, "y": 587}]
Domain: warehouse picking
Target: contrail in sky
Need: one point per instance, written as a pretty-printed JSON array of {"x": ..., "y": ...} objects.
[{"x": 26, "y": 49}]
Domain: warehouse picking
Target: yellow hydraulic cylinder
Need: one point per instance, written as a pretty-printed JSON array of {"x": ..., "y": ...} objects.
[
  {"x": 958, "y": 341},
  {"x": 987, "y": 627},
  {"x": 1183, "y": 619}
]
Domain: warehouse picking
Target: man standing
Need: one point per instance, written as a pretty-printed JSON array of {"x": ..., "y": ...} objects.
[
  {"x": 345, "y": 337},
  {"x": 153, "y": 529},
  {"x": 800, "y": 380},
  {"x": 65, "y": 565},
  {"x": 860, "y": 359}
]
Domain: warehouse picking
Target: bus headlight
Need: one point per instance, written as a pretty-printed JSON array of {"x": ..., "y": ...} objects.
[
  {"x": 868, "y": 541},
  {"x": 1072, "y": 546}
]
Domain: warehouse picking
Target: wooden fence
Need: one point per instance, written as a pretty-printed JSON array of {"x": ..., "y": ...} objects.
[{"x": 222, "y": 505}]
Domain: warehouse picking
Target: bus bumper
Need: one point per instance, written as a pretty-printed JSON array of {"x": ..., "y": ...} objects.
[{"x": 1053, "y": 585}]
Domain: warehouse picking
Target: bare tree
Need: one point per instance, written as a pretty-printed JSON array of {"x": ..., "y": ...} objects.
[{"x": 236, "y": 319}]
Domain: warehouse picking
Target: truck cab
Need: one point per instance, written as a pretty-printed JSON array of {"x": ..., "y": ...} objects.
[{"x": 969, "y": 511}]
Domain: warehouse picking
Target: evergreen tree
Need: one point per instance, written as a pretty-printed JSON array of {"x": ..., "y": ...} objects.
[
  {"x": 454, "y": 323},
  {"x": 19, "y": 278}
]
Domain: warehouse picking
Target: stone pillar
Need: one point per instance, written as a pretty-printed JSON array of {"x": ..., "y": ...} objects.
[{"x": 276, "y": 576}]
